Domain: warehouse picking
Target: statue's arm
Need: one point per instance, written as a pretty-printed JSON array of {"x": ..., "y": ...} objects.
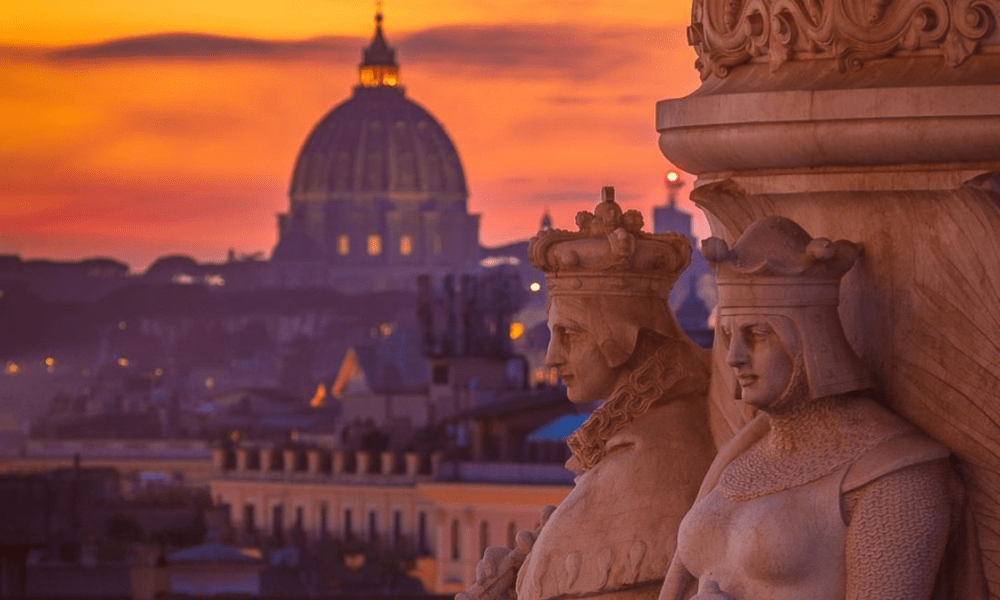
[
  {"x": 679, "y": 583},
  {"x": 897, "y": 531}
]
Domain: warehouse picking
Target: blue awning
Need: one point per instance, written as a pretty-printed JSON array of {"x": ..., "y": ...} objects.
[{"x": 557, "y": 430}]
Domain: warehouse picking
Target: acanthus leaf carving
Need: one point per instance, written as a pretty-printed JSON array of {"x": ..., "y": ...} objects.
[{"x": 729, "y": 33}]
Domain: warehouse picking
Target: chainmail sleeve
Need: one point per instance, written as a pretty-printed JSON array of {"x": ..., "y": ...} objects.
[{"x": 897, "y": 530}]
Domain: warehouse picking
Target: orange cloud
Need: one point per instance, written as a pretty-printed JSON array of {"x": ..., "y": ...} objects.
[{"x": 186, "y": 143}]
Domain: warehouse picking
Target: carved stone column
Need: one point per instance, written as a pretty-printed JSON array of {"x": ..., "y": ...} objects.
[
  {"x": 314, "y": 457},
  {"x": 267, "y": 460},
  {"x": 388, "y": 463},
  {"x": 338, "y": 461},
  {"x": 242, "y": 460},
  {"x": 364, "y": 462},
  {"x": 879, "y": 122},
  {"x": 219, "y": 459},
  {"x": 412, "y": 464}
]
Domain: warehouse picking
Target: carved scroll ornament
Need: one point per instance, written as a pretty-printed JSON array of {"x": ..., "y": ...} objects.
[{"x": 728, "y": 33}]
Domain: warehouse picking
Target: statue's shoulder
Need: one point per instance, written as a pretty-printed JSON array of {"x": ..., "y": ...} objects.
[{"x": 901, "y": 445}]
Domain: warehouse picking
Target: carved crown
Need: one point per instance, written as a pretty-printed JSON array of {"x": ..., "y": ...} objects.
[
  {"x": 775, "y": 263},
  {"x": 610, "y": 254},
  {"x": 728, "y": 33}
]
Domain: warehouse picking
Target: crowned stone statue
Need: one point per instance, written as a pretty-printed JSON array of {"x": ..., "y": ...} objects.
[
  {"x": 826, "y": 494},
  {"x": 641, "y": 455}
]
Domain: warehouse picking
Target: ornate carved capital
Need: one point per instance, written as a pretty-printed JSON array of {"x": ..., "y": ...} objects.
[{"x": 728, "y": 33}]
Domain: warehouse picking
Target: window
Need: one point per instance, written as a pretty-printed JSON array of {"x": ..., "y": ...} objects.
[
  {"x": 343, "y": 244},
  {"x": 405, "y": 245},
  {"x": 484, "y": 537},
  {"x": 437, "y": 243},
  {"x": 323, "y": 527},
  {"x": 422, "y": 533},
  {"x": 277, "y": 520},
  {"x": 455, "y": 554},
  {"x": 348, "y": 525},
  {"x": 372, "y": 526},
  {"x": 374, "y": 245},
  {"x": 299, "y": 518},
  {"x": 397, "y": 528},
  {"x": 249, "y": 518},
  {"x": 511, "y": 534},
  {"x": 440, "y": 375}
]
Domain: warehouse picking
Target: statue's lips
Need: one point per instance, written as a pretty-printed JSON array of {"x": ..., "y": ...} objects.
[{"x": 746, "y": 380}]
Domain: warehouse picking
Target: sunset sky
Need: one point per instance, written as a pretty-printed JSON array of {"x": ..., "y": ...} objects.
[{"x": 133, "y": 130}]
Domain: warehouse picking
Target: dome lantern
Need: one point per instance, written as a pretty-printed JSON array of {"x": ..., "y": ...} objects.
[{"x": 378, "y": 61}]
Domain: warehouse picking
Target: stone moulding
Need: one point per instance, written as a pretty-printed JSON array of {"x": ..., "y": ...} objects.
[
  {"x": 730, "y": 33},
  {"x": 799, "y": 129}
]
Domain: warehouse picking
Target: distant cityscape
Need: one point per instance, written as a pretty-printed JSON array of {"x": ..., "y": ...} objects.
[{"x": 362, "y": 412}]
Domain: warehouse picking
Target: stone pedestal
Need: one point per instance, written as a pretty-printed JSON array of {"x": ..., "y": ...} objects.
[{"x": 879, "y": 123}]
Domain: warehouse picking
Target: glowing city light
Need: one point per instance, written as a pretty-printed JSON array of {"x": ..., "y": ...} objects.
[
  {"x": 673, "y": 176},
  {"x": 50, "y": 364},
  {"x": 123, "y": 362},
  {"x": 12, "y": 368},
  {"x": 158, "y": 372},
  {"x": 319, "y": 399},
  {"x": 122, "y": 325},
  {"x": 516, "y": 330},
  {"x": 535, "y": 286}
]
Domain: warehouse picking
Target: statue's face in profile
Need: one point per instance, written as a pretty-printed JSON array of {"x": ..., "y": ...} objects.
[
  {"x": 576, "y": 352},
  {"x": 760, "y": 358}
]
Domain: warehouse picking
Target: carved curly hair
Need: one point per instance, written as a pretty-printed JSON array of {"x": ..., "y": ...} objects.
[{"x": 663, "y": 364}]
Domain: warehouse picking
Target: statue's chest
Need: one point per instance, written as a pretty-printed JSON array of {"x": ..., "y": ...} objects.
[
  {"x": 771, "y": 546},
  {"x": 614, "y": 531}
]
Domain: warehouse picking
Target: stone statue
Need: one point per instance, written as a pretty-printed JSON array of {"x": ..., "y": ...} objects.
[
  {"x": 641, "y": 455},
  {"x": 825, "y": 494}
]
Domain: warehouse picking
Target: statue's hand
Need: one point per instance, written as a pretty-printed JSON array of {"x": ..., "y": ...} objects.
[
  {"x": 496, "y": 573},
  {"x": 709, "y": 590}
]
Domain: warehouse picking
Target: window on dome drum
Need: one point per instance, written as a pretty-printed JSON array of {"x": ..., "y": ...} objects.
[
  {"x": 405, "y": 245},
  {"x": 343, "y": 244},
  {"x": 437, "y": 243},
  {"x": 374, "y": 245}
]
